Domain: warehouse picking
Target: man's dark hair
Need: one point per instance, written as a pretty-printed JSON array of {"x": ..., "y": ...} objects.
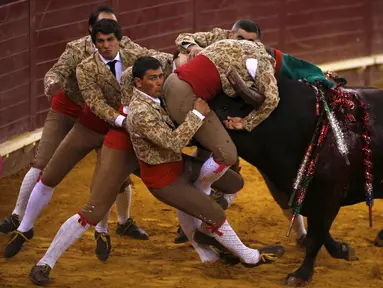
[
  {"x": 144, "y": 64},
  {"x": 97, "y": 11},
  {"x": 106, "y": 26},
  {"x": 248, "y": 26}
]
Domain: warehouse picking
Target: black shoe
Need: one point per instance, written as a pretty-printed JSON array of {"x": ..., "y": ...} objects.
[
  {"x": 218, "y": 197},
  {"x": 267, "y": 255},
  {"x": 180, "y": 237},
  {"x": 379, "y": 239},
  {"x": 9, "y": 224},
  {"x": 130, "y": 229},
  {"x": 103, "y": 245},
  {"x": 16, "y": 242},
  {"x": 40, "y": 275}
]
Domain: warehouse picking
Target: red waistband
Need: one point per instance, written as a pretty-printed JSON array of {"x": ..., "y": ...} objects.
[
  {"x": 92, "y": 121},
  {"x": 202, "y": 75},
  {"x": 160, "y": 175},
  {"x": 119, "y": 139},
  {"x": 61, "y": 103}
]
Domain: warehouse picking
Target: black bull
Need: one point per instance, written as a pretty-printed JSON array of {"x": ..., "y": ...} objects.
[{"x": 277, "y": 146}]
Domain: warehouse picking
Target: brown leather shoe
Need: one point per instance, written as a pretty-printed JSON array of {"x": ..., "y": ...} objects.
[
  {"x": 9, "y": 224},
  {"x": 16, "y": 242},
  {"x": 40, "y": 275}
]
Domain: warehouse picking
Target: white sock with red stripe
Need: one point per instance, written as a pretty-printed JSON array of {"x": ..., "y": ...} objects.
[
  {"x": 29, "y": 181},
  {"x": 102, "y": 226},
  {"x": 228, "y": 238},
  {"x": 39, "y": 199},
  {"x": 210, "y": 172},
  {"x": 189, "y": 224},
  {"x": 68, "y": 233},
  {"x": 123, "y": 203}
]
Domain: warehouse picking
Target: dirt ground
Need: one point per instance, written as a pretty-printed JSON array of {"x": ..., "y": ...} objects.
[{"x": 160, "y": 263}]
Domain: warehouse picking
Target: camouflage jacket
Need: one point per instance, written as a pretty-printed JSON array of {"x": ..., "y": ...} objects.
[
  {"x": 235, "y": 53},
  {"x": 203, "y": 39},
  {"x": 154, "y": 136},
  {"x": 64, "y": 70}
]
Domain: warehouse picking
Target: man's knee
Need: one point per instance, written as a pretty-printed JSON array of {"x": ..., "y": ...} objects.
[
  {"x": 227, "y": 155},
  {"x": 238, "y": 183},
  {"x": 49, "y": 178},
  {"x": 94, "y": 213}
]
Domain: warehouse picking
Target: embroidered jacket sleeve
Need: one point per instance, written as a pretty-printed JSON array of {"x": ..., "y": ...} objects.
[
  {"x": 203, "y": 39},
  {"x": 234, "y": 53},
  {"x": 127, "y": 86},
  {"x": 68, "y": 61},
  {"x": 267, "y": 85},
  {"x": 151, "y": 126},
  {"x": 92, "y": 92}
]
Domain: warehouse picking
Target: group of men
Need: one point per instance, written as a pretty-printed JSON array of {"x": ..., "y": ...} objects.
[{"x": 138, "y": 108}]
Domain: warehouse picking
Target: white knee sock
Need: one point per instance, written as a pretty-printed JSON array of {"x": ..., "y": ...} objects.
[
  {"x": 299, "y": 224},
  {"x": 69, "y": 232},
  {"x": 231, "y": 241},
  {"x": 189, "y": 224},
  {"x": 208, "y": 175},
  {"x": 102, "y": 226},
  {"x": 26, "y": 188},
  {"x": 123, "y": 202},
  {"x": 40, "y": 197}
]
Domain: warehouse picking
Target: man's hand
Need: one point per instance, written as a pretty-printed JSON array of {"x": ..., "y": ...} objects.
[
  {"x": 234, "y": 123},
  {"x": 51, "y": 87},
  {"x": 193, "y": 51},
  {"x": 202, "y": 107}
]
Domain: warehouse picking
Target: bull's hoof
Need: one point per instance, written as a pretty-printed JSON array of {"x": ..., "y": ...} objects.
[
  {"x": 344, "y": 251},
  {"x": 299, "y": 278},
  {"x": 379, "y": 239}
]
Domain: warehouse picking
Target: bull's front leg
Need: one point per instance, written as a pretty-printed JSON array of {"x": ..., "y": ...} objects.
[
  {"x": 340, "y": 249},
  {"x": 319, "y": 224}
]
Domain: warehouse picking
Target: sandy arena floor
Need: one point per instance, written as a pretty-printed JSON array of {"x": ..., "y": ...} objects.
[{"x": 160, "y": 263}]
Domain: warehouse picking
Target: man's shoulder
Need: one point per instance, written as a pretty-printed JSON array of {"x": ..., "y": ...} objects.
[
  {"x": 78, "y": 43},
  {"x": 220, "y": 31},
  {"x": 125, "y": 42},
  {"x": 88, "y": 64}
]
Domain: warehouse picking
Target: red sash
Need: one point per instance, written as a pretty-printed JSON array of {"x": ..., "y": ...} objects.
[
  {"x": 202, "y": 75},
  {"x": 118, "y": 138},
  {"x": 161, "y": 175},
  {"x": 61, "y": 103},
  {"x": 92, "y": 121}
]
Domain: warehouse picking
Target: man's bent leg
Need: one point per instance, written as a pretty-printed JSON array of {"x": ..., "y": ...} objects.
[
  {"x": 76, "y": 145},
  {"x": 115, "y": 166},
  {"x": 56, "y": 127}
]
